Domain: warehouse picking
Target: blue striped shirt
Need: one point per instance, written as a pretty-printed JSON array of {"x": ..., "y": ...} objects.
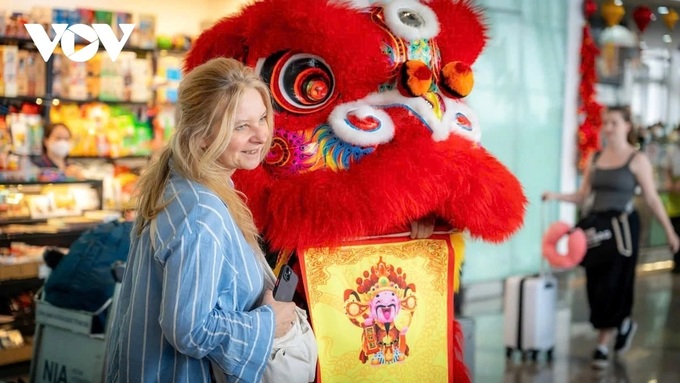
[{"x": 190, "y": 297}]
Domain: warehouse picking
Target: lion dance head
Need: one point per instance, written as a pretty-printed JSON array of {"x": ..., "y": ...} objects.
[{"x": 371, "y": 129}]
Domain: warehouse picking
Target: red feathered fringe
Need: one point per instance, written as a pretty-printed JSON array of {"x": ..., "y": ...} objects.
[
  {"x": 460, "y": 371},
  {"x": 463, "y": 33},
  {"x": 590, "y": 110}
]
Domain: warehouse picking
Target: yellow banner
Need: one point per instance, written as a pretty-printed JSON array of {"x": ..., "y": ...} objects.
[{"x": 382, "y": 309}]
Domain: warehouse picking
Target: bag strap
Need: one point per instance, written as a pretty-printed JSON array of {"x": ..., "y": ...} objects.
[
  {"x": 544, "y": 268},
  {"x": 596, "y": 155},
  {"x": 624, "y": 243},
  {"x": 593, "y": 162}
]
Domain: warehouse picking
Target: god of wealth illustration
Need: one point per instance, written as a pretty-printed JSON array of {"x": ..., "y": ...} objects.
[{"x": 382, "y": 305}]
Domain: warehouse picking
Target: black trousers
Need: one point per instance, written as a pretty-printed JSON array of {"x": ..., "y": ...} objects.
[
  {"x": 676, "y": 226},
  {"x": 610, "y": 286}
]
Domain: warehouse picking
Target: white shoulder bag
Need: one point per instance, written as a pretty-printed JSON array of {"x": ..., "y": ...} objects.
[{"x": 294, "y": 355}]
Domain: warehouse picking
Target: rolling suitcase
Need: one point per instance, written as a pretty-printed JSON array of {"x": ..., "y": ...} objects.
[{"x": 530, "y": 315}]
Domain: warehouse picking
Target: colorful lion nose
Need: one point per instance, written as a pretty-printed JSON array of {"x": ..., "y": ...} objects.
[
  {"x": 416, "y": 78},
  {"x": 457, "y": 79}
]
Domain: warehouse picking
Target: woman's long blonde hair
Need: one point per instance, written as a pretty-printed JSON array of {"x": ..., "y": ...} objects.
[{"x": 207, "y": 101}]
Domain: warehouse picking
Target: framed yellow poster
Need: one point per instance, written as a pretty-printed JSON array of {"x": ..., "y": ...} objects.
[{"x": 382, "y": 309}]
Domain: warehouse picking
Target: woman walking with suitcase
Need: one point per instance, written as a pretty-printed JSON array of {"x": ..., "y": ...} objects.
[{"x": 612, "y": 175}]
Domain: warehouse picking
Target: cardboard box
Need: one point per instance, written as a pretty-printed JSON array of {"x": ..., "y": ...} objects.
[{"x": 61, "y": 330}]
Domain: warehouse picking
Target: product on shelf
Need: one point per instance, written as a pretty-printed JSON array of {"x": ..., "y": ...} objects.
[
  {"x": 103, "y": 130},
  {"x": 3, "y": 21},
  {"x": 125, "y": 182},
  {"x": 126, "y": 79},
  {"x": 47, "y": 200},
  {"x": 12, "y": 24},
  {"x": 9, "y": 61},
  {"x": 5, "y": 143},
  {"x": 30, "y": 74},
  {"x": 163, "y": 125},
  {"x": 12, "y": 203},
  {"x": 26, "y": 132},
  {"x": 11, "y": 339},
  {"x": 121, "y": 18},
  {"x": 22, "y": 72},
  {"x": 168, "y": 77},
  {"x": 144, "y": 33}
]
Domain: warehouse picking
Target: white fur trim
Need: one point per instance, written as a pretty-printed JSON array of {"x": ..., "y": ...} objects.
[
  {"x": 348, "y": 133},
  {"x": 441, "y": 129},
  {"x": 429, "y": 30},
  {"x": 419, "y": 106},
  {"x": 473, "y": 131}
]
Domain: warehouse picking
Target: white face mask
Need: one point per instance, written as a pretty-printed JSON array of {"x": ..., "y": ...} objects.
[{"x": 60, "y": 148}]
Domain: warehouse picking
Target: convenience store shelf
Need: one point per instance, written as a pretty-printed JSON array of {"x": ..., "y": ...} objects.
[
  {"x": 96, "y": 183},
  {"x": 19, "y": 271},
  {"x": 60, "y": 239},
  {"x": 16, "y": 355},
  {"x": 40, "y": 100},
  {"x": 91, "y": 100},
  {"x": 22, "y": 42},
  {"x": 31, "y": 99},
  {"x": 130, "y": 157},
  {"x": 27, "y": 43}
]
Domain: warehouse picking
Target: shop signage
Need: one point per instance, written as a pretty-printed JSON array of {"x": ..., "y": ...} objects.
[{"x": 67, "y": 36}]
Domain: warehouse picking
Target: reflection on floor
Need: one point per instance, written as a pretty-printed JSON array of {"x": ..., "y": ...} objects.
[{"x": 653, "y": 358}]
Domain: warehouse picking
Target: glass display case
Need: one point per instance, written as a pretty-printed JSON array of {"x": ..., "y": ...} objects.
[{"x": 32, "y": 202}]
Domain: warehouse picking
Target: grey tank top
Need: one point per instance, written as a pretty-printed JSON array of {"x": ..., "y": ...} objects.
[{"x": 614, "y": 188}]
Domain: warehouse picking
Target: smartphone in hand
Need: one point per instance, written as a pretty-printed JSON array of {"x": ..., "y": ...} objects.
[{"x": 286, "y": 283}]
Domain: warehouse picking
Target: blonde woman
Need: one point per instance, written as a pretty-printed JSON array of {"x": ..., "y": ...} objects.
[{"x": 193, "y": 292}]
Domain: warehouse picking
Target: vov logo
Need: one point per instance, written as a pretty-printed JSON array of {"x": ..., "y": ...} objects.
[{"x": 67, "y": 35}]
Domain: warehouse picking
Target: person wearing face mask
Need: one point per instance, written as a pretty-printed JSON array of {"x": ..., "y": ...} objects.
[{"x": 56, "y": 147}]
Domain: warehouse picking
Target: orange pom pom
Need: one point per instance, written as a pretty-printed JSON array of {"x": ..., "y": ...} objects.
[
  {"x": 416, "y": 77},
  {"x": 457, "y": 78}
]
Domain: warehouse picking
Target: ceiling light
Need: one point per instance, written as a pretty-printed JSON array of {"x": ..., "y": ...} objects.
[
  {"x": 663, "y": 10},
  {"x": 667, "y": 38}
]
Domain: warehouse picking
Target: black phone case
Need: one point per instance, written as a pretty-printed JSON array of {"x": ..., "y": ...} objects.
[{"x": 286, "y": 284}]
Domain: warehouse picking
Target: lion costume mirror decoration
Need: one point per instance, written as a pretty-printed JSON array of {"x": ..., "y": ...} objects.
[{"x": 371, "y": 133}]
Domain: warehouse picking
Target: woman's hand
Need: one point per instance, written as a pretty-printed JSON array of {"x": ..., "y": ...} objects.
[
  {"x": 422, "y": 228},
  {"x": 74, "y": 171},
  {"x": 284, "y": 314},
  {"x": 549, "y": 196}
]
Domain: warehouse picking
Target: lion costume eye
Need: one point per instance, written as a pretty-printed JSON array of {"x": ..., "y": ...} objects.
[{"x": 299, "y": 82}]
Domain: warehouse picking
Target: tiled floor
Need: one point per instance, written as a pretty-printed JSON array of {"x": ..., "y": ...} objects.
[{"x": 653, "y": 358}]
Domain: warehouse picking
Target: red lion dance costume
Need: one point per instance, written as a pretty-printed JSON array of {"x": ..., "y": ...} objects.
[{"x": 372, "y": 134}]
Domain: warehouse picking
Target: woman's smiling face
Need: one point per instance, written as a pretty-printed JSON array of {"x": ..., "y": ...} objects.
[{"x": 250, "y": 133}]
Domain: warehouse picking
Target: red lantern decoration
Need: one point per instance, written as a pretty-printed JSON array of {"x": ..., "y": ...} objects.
[
  {"x": 642, "y": 16},
  {"x": 589, "y": 8}
]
